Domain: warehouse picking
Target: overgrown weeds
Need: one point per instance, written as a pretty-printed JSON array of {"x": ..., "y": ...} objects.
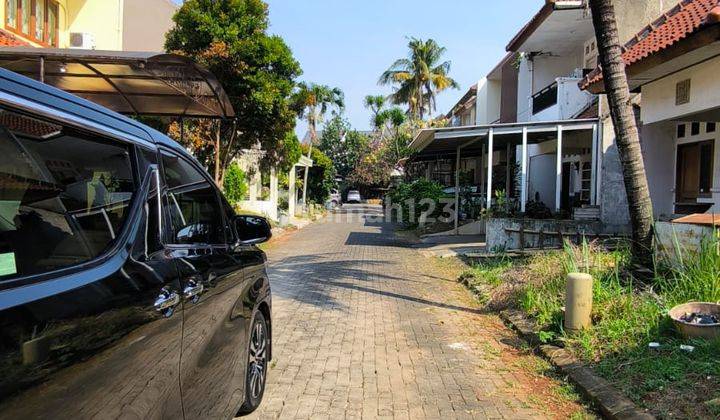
[{"x": 627, "y": 315}]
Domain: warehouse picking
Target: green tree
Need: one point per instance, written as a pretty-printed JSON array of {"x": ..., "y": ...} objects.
[
  {"x": 257, "y": 70},
  {"x": 311, "y": 102},
  {"x": 419, "y": 77},
  {"x": 343, "y": 145}
]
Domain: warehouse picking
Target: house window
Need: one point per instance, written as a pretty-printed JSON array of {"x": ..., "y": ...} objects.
[
  {"x": 681, "y": 131},
  {"x": 25, "y": 16},
  {"x": 36, "y": 20},
  {"x": 710, "y": 127},
  {"x": 695, "y": 129},
  {"x": 11, "y": 8}
]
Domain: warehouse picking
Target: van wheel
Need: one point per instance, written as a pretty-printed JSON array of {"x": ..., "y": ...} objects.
[{"x": 256, "y": 371}]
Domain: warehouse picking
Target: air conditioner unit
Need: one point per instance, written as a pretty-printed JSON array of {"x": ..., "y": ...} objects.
[{"x": 82, "y": 40}]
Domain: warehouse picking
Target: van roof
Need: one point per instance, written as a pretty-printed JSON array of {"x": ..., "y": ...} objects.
[{"x": 41, "y": 94}]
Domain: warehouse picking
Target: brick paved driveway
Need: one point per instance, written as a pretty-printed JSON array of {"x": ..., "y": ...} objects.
[{"x": 366, "y": 327}]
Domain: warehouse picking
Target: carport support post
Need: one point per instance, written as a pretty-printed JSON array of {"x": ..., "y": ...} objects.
[
  {"x": 491, "y": 135},
  {"x": 558, "y": 168},
  {"x": 457, "y": 189},
  {"x": 523, "y": 171}
]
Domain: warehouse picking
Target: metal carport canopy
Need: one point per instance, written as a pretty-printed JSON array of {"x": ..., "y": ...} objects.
[
  {"x": 448, "y": 139},
  {"x": 134, "y": 83}
]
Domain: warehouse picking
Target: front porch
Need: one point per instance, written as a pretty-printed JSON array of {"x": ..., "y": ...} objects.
[{"x": 532, "y": 169}]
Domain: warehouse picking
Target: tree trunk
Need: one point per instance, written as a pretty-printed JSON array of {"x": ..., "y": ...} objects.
[{"x": 626, "y": 133}]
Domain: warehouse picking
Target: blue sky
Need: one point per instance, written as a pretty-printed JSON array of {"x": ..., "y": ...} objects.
[{"x": 349, "y": 43}]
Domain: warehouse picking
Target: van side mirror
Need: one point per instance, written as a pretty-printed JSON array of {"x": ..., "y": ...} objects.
[{"x": 252, "y": 229}]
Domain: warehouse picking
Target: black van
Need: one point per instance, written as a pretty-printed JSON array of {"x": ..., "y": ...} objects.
[{"x": 128, "y": 286}]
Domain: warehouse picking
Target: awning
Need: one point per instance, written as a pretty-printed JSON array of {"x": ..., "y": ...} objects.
[
  {"x": 135, "y": 83},
  {"x": 433, "y": 141}
]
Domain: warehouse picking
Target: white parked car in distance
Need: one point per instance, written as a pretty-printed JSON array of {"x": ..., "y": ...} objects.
[{"x": 353, "y": 196}]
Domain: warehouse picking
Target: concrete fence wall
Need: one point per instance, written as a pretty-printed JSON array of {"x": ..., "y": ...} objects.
[{"x": 503, "y": 234}]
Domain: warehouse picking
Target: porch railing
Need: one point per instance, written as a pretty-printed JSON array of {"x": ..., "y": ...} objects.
[{"x": 545, "y": 98}]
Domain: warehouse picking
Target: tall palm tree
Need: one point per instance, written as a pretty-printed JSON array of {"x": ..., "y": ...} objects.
[
  {"x": 626, "y": 133},
  {"x": 419, "y": 77},
  {"x": 311, "y": 102}
]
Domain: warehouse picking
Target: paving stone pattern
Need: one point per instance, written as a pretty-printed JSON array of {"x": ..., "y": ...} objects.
[{"x": 364, "y": 329}]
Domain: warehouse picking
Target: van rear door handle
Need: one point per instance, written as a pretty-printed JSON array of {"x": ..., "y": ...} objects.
[{"x": 166, "y": 302}]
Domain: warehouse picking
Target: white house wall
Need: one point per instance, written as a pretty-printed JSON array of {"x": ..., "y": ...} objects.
[
  {"x": 659, "y": 96},
  {"x": 487, "y": 104}
]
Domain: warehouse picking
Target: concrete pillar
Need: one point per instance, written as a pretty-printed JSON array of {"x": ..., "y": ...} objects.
[
  {"x": 523, "y": 170},
  {"x": 255, "y": 183},
  {"x": 482, "y": 168},
  {"x": 274, "y": 192},
  {"x": 292, "y": 200},
  {"x": 558, "y": 168},
  {"x": 491, "y": 135}
]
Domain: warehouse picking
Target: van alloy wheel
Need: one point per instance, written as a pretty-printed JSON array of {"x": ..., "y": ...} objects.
[{"x": 256, "y": 372}]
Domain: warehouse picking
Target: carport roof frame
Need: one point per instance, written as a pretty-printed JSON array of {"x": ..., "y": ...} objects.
[
  {"x": 133, "y": 83},
  {"x": 453, "y": 137}
]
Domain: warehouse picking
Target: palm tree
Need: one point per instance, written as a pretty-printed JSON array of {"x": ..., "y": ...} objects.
[
  {"x": 311, "y": 102},
  {"x": 419, "y": 77},
  {"x": 626, "y": 133}
]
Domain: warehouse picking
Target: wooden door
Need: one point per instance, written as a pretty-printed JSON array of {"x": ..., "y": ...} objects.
[{"x": 688, "y": 179}]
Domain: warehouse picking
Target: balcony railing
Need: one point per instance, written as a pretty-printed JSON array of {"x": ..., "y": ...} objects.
[{"x": 545, "y": 98}]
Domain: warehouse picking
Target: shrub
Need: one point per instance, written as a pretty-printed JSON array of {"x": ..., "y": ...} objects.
[
  {"x": 416, "y": 200},
  {"x": 235, "y": 186}
]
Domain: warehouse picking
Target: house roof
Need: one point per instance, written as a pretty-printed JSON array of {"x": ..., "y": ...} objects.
[
  {"x": 469, "y": 95},
  {"x": 9, "y": 40},
  {"x": 670, "y": 28}
]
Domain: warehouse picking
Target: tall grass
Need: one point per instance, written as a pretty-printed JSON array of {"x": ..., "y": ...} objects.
[{"x": 692, "y": 275}]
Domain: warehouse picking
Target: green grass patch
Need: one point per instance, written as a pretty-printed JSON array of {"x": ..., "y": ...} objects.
[{"x": 627, "y": 315}]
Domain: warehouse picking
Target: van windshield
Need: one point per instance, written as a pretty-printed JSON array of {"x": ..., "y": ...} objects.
[{"x": 64, "y": 196}]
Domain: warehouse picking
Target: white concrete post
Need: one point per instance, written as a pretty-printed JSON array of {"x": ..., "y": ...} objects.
[
  {"x": 491, "y": 135},
  {"x": 457, "y": 189},
  {"x": 523, "y": 170},
  {"x": 558, "y": 169},
  {"x": 274, "y": 191},
  {"x": 253, "y": 190},
  {"x": 593, "y": 165},
  {"x": 291, "y": 192}
]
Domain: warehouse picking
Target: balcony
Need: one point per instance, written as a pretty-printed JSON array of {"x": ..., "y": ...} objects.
[{"x": 561, "y": 100}]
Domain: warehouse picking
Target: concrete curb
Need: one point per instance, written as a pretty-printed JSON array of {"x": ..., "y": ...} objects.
[{"x": 611, "y": 403}]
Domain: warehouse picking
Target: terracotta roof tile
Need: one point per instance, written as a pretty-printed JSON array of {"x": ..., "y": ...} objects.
[
  {"x": 9, "y": 40},
  {"x": 673, "y": 26}
]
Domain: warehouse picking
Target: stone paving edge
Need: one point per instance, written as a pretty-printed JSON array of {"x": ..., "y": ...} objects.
[{"x": 612, "y": 403}]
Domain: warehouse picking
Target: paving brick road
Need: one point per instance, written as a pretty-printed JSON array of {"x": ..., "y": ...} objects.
[{"x": 365, "y": 327}]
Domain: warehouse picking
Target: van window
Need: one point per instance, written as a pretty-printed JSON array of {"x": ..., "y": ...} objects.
[
  {"x": 64, "y": 196},
  {"x": 193, "y": 202}
]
